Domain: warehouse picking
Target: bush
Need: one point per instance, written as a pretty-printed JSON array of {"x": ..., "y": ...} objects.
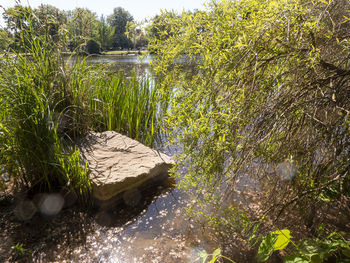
[
  {"x": 93, "y": 47},
  {"x": 264, "y": 121}
]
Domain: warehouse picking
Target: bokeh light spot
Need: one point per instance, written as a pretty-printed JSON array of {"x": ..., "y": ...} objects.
[{"x": 51, "y": 204}]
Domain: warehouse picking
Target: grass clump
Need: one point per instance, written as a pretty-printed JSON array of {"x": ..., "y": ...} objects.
[
  {"x": 33, "y": 99},
  {"x": 133, "y": 107}
]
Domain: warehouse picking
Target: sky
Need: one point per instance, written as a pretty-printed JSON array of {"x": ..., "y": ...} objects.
[{"x": 139, "y": 9}]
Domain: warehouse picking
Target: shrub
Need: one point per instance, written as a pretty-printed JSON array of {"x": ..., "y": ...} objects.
[
  {"x": 264, "y": 121},
  {"x": 93, "y": 47}
]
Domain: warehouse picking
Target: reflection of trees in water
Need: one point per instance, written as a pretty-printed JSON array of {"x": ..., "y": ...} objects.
[
  {"x": 122, "y": 63},
  {"x": 141, "y": 70}
]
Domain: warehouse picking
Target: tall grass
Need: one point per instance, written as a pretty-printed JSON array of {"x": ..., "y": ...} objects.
[
  {"x": 33, "y": 98},
  {"x": 102, "y": 100},
  {"x": 47, "y": 103},
  {"x": 130, "y": 106}
]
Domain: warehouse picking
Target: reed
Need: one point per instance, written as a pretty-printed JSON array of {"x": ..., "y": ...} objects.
[
  {"x": 33, "y": 100},
  {"x": 132, "y": 107}
]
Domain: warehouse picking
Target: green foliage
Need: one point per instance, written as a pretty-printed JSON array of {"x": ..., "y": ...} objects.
[
  {"x": 105, "y": 33},
  {"x": 132, "y": 107},
  {"x": 52, "y": 21},
  {"x": 21, "y": 22},
  {"x": 283, "y": 239},
  {"x": 118, "y": 20},
  {"x": 16, "y": 19},
  {"x": 92, "y": 47},
  {"x": 74, "y": 174},
  {"x": 261, "y": 106},
  {"x": 20, "y": 254},
  {"x": 82, "y": 26},
  {"x": 203, "y": 256},
  {"x": 162, "y": 27},
  {"x": 135, "y": 34},
  {"x": 266, "y": 247},
  {"x": 315, "y": 250},
  {"x": 274, "y": 241},
  {"x": 33, "y": 98},
  {"x": 47, "y": 103},
  {"x": 5, "y": 40},
  {"x": 318, "y": 250}
]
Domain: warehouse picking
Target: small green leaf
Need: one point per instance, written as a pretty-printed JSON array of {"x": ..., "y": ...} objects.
[
  {"x": 310, "y": 247},
  {"x": 216, "y": 253},
  {"x": 283, "y": 239}
]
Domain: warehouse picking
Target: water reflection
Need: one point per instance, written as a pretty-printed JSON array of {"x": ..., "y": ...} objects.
[
  {"x": 160, "y": 233},
  {"x": 154, "y": 229},
  {"x": 128, "y": 59},
  {"x": 127, "y": 64}
]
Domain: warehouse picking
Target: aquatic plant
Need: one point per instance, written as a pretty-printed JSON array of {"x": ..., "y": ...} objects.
[
  {"x": 130, "y": 106},
  {"x": 33, "y": 98}
]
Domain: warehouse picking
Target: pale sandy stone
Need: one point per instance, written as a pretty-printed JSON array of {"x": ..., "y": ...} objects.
[{"x": 118, "y": 163}]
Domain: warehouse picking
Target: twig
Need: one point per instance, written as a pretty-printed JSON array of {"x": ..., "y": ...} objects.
[{"x": 308, "y": 192}]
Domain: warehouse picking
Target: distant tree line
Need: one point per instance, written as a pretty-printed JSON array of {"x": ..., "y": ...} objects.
[{"x": 84, "y": 31}]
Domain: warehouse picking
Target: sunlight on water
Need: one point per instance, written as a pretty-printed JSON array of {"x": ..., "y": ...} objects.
[
  {"x": 146, "y": 226},
  {"x": 158, "y": 232}
]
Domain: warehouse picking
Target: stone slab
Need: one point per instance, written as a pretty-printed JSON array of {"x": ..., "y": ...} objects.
[{"x": 118, "y": 163}]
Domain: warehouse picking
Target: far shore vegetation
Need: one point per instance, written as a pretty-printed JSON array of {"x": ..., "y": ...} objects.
[{"x": 254, "y": 94}]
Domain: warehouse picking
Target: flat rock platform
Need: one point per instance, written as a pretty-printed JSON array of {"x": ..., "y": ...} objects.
[{"x": 118, "y": 164}]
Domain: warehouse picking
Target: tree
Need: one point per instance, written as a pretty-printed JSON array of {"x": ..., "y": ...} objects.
[
  {"x": 92, "y": 47},
  {"x": 51, "y": 19},
  {"x": 135, "y": 34},
  {"x": 18, "y": 19},
  {"x": 118, "y": 20},
  {"x": 105, "y": 33},
  {"x": 23, "y": 21},
  {"x": 83, "y": 26},
  {"x": 266, "y": 113},
  {"x": 163, "y": 26}
]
